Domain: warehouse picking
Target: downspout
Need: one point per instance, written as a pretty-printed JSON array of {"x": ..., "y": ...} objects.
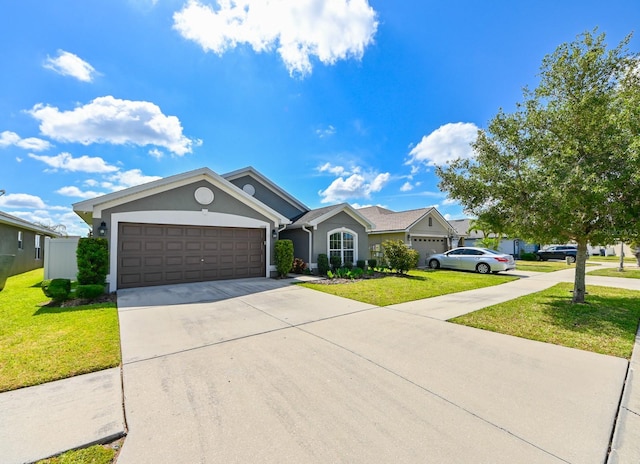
[{"x": 310, "y": 235}]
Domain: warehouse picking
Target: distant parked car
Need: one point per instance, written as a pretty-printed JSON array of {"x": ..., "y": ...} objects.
[
  {"x": 481, "y": 260},
  {"x": 558, "y": 252}
]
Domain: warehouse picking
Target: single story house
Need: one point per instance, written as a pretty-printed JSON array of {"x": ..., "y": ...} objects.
[
  {"x": 424, "y": 230},
  {"x": 200, "y": 226},
  {"x": 508, "y": 245},
  {"x": 23, "y": 240}
]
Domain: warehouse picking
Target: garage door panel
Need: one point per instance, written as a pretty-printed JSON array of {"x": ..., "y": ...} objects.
[{"x": 151, "y": 254}]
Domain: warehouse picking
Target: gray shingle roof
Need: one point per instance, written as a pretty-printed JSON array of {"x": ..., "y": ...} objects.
[{"x": 387, "y": 220}]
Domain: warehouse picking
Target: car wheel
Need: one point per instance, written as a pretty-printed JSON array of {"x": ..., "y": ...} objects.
[
  {"x": 434, "y": 264},
  {"x": 571, "y": 259},
  {"x": 483, "y": 268}
]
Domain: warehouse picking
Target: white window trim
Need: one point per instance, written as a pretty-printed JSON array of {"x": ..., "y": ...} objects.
[
  {"x": 355, "y": 243},
  {"x": 20, "y": 240},
  {"x": 38, "y": 247}
]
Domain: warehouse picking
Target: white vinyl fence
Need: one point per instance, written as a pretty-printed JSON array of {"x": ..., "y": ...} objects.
[{"x": 60, "y": 258}]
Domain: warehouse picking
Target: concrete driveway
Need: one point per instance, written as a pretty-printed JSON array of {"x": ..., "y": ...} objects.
[{"x": 262, "y": 371}]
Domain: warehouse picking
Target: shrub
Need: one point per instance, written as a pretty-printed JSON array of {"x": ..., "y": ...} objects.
[
  {"x": 360, "y": 264},
  {"x": 528, "y": 256},
  {"x": 299, "y": 266},
  {"x": 45, "y": 287},
  {"x": 336, "y": 262},
  {"x": 284, "y": 257},
  {"x": 348, "y": 265},
  {"x": 373, "y": 263},
  {"x": 400, "y": 257},
  {"x": 89, "y": 291},
  {"x": 323, "y": 264},
  {"x": 93, "y": 261},
  {"x": 58, "y": 289}
]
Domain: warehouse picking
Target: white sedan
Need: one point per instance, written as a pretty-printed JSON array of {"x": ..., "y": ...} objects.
[{"x": 481, "y": 260}]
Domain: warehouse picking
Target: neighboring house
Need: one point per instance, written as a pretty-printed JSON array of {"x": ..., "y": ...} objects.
[
  {"x": 424, "y": 230},
  {"x": 200, "y": 226},
  {"x": 25, "y": 240},
  {"x": 508, "y": 245}
]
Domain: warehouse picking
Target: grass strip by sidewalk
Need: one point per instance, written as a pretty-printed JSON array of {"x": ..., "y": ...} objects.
[
  {"x": 606, "y": 324},
  {"x": 614, "y": 272},
  {"x": 39, "y": 344},
  {"x": 416, "y": 285},
  {"x": 96, "y": 454}
]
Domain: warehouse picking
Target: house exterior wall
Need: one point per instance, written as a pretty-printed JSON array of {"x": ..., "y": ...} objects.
[
  {"x": 178, "y": 206},
  {"x": 25, "y": 258},
  {"x": 300, "y": 240},
  {"x": 375, "y": 250},
  {"x": 422, "y": 228},
  {"x": 339, "y": 221},
  {"x": 268, "y": 197}
]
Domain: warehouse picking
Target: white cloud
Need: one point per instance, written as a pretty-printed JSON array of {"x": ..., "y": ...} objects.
[
  {"x": 8, "y": 138},
  {"x": 126, "y": 179},
  {"x": 444, "y": 144},
  {"x": 354, "y": 186},
  {"x": 112, "y": 120},
  {"x": 406, "y": 187},
  {"x": 335, "y": 170},
  {"x": 328, "y": 132},
  {"x": 68, "y": 64},
  {"x": 67, "y": 162},
  {"x": 157, "y": 154},
  {"x": 72, "y": 191},
  {"x": 21, "y": 200},
  {"x": 329, "y": 30},
  {"x": 449, "y": 201}
]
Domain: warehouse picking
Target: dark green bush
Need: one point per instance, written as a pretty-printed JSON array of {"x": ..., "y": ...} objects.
[
  {"x": 284, "y": 257},
  {"x": 93, "y": 260},
  {"x": 89, "y": 291},
  {"x": 323, "y": 264},
  {"x": 348, "y": 265},
  {"x": 373, "y": 263},
  {"x": 336, "y": 262},
  {"x": 360, "y": 264},
  {"x": 58, "y": 290},
  {"x": 45, "y": 287},
  {"x": 400, "y": 257},
  {"x": 528, "y": 256}
]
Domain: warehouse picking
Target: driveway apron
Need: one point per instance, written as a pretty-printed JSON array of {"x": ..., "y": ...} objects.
[{"x": 262, "y": 371}]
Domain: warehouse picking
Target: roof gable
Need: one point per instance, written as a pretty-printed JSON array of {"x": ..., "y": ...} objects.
[
  {"x": 250, "y": 171},
  {"x": 316, "y": 216},
  {"x": 89, "y": 209}
]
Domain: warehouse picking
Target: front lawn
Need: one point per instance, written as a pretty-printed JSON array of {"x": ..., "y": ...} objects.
[
  {"x": 614, "y": 272},
  {"x": 96, "y": 454},
  {"x": 542, "y": 266},
  {"x": 416, "y": 285},
  {"x": 39, "y": 343},
  {"x": 607, "y": 324}
]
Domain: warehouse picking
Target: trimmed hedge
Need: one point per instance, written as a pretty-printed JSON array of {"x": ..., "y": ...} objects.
[
  {"x": 323, "y": 264},
  {"x": 284, "y": 257},
  {"x": 89, "y": 291},
  {"x": 93, "y": 260},
  {"x": 57, "y": 289}
]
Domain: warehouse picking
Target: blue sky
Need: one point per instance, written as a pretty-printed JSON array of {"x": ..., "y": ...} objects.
[{"x": 333, "y": 100}]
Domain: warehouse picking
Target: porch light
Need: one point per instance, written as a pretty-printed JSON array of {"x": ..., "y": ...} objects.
[
  {"x": 102, "y": 230},
  {"x": 274, "y": 234}
]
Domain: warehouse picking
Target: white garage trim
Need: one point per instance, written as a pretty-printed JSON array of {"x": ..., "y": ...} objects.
[{"x": 184, "y": 218}]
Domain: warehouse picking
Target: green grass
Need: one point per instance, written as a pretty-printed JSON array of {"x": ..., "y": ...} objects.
[
  {"x": 417, "y": 285},
  {"x": 39, "y": 344},
  {"x": 97, "y": 454},
  {"x": 612, "y": 259},
  {"x": 607, "y": 324},
  {"x": 542, "y": 266},
  {"x": 613, "y": 272}
]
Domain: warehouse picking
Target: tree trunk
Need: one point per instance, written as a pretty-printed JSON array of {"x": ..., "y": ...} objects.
[
  {"x": 621, "y": 265},
  {"x": 579, "y": 285}
]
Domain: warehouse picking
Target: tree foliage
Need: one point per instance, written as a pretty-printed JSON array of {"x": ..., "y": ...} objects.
[
  {"x": 93, "y": 260},
  {"x": 564, "y": 166},
  {"x": 284, "y": 257}
]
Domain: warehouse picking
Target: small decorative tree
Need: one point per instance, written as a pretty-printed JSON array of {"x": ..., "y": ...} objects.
[
  {"x": 93, "y": 261},
  {"x": 400, "y": 257},
  {"x": 323, "y": 264},
  {"x": 284, "y": 257}
]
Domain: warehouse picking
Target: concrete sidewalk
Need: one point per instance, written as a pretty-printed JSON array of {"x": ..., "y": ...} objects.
[
  {"x": 45, "y": 420},
  {"x": 48, "y": 419}
]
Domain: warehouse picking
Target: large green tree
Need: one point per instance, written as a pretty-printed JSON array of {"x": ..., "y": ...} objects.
[{"x": 565, "y": 165}]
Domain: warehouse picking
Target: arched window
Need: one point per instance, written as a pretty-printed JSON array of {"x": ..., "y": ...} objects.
[{"x": 343, "y": 243}]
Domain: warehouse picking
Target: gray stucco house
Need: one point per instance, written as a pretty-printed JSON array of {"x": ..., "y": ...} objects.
[
  {"x": 423, "y": 229},
  {"x": 25, "y": 241},
  {"x": 200, "y": 226}
]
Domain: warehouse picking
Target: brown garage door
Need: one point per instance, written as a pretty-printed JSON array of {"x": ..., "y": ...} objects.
[
  {"x": 428, "y": 246},
  {"x": 156, "y": 254}
]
